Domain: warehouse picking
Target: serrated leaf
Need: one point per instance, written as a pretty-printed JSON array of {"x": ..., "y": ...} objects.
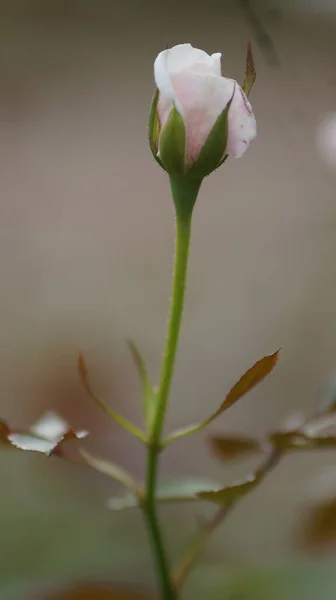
[
  {"x": 230, "y": 447},
  {"x": 106, "y": 467},
  {"x": 229, "y": 495},
  {"x": 250, "y": 73},
  {"x": 148, "y": 394},
  {"x": 167, "y": 492},
  {"x": 46, "y": 436},
  {"x": 247, "y": 382},
  {"x": 83, "y": 373}
]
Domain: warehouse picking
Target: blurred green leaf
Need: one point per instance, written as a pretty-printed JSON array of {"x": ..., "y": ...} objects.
[
  {"x": 306, "y": 582},
  {"x": 171, "y": 491},
  {"x": 250, "y": 72},
  {"x": 229, "y": 447},
  {"x": 148, "y": 394},
  {"x": 228, "y": 495},
  {"x": 114, "y": 471},
  {"x": 83, "y": 373}
]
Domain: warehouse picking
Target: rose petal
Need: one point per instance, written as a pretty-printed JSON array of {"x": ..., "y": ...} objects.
[
  {"x": 202, "y": 99},
  {"x": 242, "y": 124},
  {"x": 182, "y": 57}
]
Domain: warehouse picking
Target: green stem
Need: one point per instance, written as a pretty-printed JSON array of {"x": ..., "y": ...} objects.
[{"x": 184, "y": 196}]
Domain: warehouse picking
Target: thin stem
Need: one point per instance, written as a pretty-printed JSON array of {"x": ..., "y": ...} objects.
[
  {"x": 162, "y": 565},
  {"x": 184, "y": 195}
]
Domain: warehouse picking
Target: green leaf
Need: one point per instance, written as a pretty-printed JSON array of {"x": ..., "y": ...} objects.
[
  {"x": 214, "y": 147},
  {"x": 114, "y": 471},
  {"x": 250, "y": 73},
  {"x": 173, "y": 144},
  {"x": 229, "y": 447},
  {"x": 230, "y": 494},
  {"x": 247, "y": 382},
  {"x": 83, "y": 373},
  {"x": 168, "y": 492},
  {"x": 148, "y": 394}
]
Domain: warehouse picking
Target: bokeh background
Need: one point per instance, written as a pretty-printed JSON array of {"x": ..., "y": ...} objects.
[{"x": 86, "y": 243}]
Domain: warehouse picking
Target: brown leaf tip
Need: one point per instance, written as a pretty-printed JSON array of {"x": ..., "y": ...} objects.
[
  {"x": 250, "y": 65},
  {"x": 81, "y": 366}
]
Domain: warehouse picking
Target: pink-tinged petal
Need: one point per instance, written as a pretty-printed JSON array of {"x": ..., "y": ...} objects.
[
  {"x": 242, "y": 124},
  {"x": 202, "y": 98},
  {"x": 164, "y": 85},
  {"x": 180, "y": 58}
]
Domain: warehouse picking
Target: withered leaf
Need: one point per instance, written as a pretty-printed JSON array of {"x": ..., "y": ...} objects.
[
  {"x": 230, "y": 447},
  {"x": 297, "y": 440},
  {"x": 250, "y": 72},
  {"x": 247, "y": 382},
  {"x": 317, "y": 529}
]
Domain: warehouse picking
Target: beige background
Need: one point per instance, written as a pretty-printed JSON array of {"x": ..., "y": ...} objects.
[{"x": 86, "y": 246}]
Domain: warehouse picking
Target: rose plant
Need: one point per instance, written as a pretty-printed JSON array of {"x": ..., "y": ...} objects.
[{"x": 198, "y": 119}]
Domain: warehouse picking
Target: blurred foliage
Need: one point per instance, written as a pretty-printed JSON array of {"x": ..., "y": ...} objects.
[
  {"x": 295, "y": 582},
  {"x": 317, "y": 527},
  {"x": 96, "y": 592}
]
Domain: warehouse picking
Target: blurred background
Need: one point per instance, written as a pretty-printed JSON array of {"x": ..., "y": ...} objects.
[{"x": 86, "y": 247}]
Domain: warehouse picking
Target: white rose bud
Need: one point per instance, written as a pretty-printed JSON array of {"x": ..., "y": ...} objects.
[{"x": 198, "y": 117}]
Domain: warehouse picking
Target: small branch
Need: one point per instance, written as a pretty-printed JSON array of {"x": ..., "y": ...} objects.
[
  {"x": 196, "y": 546},
  {"x": 197, "y": 543}
]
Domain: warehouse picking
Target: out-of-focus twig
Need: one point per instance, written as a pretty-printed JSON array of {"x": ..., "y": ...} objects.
[{"x": 196, "y": 545}]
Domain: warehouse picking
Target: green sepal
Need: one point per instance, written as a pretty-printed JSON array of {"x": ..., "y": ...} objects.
[
  {"x": 173, "y": 144},
  {"x": 148, "y": 393},
  {"x": 213, "y": 150},
  {"x": 153, "y": 128}
]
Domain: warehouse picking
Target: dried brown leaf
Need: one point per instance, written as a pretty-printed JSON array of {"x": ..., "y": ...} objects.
[
  {"x": 250, "y": 73},
  {"x": 230, "y": 447},
  {"x": 247, "y": 382}
]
